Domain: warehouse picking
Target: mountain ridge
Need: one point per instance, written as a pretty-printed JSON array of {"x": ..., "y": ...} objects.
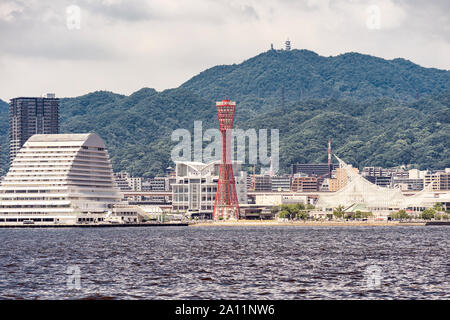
[
  {"x": 305, "y": 75},
  {"x": 389, "y": 128}
]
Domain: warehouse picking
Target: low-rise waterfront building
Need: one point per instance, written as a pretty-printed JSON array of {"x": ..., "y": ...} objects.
[{"x": 275, "y": 199}]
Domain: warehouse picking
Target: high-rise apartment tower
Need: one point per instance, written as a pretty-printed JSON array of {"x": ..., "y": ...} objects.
[{"x": 29, "y": 116}]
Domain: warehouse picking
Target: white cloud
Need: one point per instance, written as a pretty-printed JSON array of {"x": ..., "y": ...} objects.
[{"x": 125, "y": 45}]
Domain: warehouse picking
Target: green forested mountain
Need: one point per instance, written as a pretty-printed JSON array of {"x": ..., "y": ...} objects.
[
  {"x": 379, "y": 133},
  {"x": 383, "y": 132},
  {"x": 258, "y": 82},
  {"x": 367, "y": 105}
]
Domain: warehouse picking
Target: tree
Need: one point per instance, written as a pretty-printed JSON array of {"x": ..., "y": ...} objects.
[
  {"x": 339, "y": 212},
  {"x": 438, "y": 207},
  {"x": 428, "y": 214},
  {"x": 302, "y": 215},
  {"x": 367, "y": 214},
  {"x": 275, "y": 210},
  {"x": 298, "y": 206},
  {"x": 284, "y": 214},
  {"x": 291, "y": 211},
  {"x": 400, "y": 215}
]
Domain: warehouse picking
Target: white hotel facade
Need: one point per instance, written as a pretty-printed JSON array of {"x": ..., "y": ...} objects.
[
  {"x": 195, "y": 187},
  {"x": 61, "y": 179}
]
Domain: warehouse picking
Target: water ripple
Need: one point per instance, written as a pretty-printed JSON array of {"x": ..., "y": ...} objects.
[{"x": 225, "y": 263}]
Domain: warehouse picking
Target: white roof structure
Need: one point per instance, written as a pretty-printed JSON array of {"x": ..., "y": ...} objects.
[
  {"x": 360, "y": 191},
  {"x": 191, "y": 168}
]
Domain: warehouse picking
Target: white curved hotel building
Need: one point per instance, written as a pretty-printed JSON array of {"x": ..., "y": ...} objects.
[{"x": 59, "y": 178}]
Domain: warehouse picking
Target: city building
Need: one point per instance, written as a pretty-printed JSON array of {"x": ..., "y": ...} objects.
[
  {"x": 373, "y": 172},
  {"x": 340, "y": 179},
  {"x": 386, "y": 178},
  {"x": 381, "y": 181},
  {"x": 444, "y": 180},
  {"x": 59, "y": 178},
  {"x": 135, "y": 183},
  {"x": 381, "y": 201},
  {"x": 275, "y": 199},
  {"x": 156, "y": 184},
  {"x": 416, "y": 174},
  {"x": 259, "y": 182},
  {"x": 325, "y": 186},
  {"x": 121, "y": 180},
  {"x": 304, "y": 184},
  {"x": 125, "y": 182},
  {"x": 281, "y": 183},
  {"x": 195, "y": 188},
  {"x": 29, "y": 116},
  {"x": 439, "y": 180},
  {"x": 408, "y": 184},
  {"x": 319, "y": 170}
]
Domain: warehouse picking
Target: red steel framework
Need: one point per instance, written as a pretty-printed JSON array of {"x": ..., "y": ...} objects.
[{"x": 226, "y": 204}]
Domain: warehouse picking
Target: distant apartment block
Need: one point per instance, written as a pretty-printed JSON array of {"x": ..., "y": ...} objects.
[
  {"x": 281, "y": 183},
  {"x": 373, "y": 171},
  {"x": 29, "y": 116},
  {"x": 319, "y": 170},
  {"x": 444, "y": 181},
  {"x": 340, "y": 179},
  {"x": 439, "y": 179},
  {"x": 416, "y": 174},
  {"x": 408, "y": 184},
  {"x": 381, "y": 181},
  {"x": 305, "y": 184},
  {"x": 157, "y": 184},
  {"x": 259, "y": 182},
  {"x": 125, "y": 182}
]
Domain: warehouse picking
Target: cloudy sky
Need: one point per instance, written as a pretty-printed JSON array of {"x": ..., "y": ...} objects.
[{"x": 79, "y": 46}]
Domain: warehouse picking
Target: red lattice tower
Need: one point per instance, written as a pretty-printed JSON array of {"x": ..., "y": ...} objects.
[{"x": 226, "y": 204}]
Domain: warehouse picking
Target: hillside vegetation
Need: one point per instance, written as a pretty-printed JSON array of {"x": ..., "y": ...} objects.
[
  {"x": 377, "y": 112},
  {"x": 258, "y": 82}
]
